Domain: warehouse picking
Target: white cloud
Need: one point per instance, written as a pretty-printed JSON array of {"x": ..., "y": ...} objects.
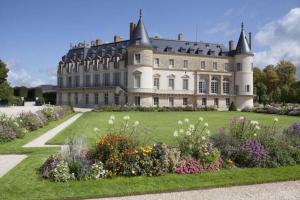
[
  {"x": 223, "y": 27},
  {"x": 281, "y": 39},
  {"x": 18, "y": 76}
]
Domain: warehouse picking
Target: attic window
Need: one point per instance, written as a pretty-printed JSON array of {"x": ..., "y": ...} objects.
[
  {"x": 182, "y": 50},
  {"x": 207, "y": 45},
  {"x": 168, "y": 49},
  {"x": 195, "y": 44},
  {"x": 187, "y": 43}
]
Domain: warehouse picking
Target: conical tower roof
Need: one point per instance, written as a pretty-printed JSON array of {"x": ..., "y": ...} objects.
[
  {"x": 140, "y": 36},
  {"x": 243, "y": 45}
]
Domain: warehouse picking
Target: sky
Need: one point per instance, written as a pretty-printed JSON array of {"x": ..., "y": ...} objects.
[{"x": 35, "y": 34}]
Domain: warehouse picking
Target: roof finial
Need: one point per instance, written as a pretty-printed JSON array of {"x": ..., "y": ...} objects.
[
  {"x": 242, "y": 26},
  {"x": 140, "y": 13}
]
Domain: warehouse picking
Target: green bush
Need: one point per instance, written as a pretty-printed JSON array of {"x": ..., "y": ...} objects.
[{"x": 232, "y": 107}]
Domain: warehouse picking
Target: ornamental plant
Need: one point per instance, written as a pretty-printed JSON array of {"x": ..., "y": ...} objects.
[
  {"x": 30, "y": 121},
  {"x": 193, "y": 140}
]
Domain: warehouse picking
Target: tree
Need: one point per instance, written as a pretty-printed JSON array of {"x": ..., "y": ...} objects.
[
  {"x": 287, "y": 72},
  {"x": 6, "y": 92},
  {"x": 21, "y": 91}
]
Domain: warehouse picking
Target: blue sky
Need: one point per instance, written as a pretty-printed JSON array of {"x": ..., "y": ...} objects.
[{"x": 35, "y": 34}]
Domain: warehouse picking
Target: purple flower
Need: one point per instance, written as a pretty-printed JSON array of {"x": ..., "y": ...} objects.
[{"x": 255, "y": 149}]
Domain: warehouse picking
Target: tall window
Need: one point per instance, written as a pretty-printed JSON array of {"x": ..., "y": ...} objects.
[
  {"x": 185, "y": 84},
  {"x": 116, "y": 78},
  {"x": 216, "y": 102},
  {"x": 76, "y": 98},
  {"x": 156, "y": 62},
  {"x": 202, "y": 86},
  {"x": 106, "y": 79},
  {"x": 171, "y": 83},
  {"x": 185, "y": 101},
  {"x": 247, "y": 88},
  {"x": 202, "y": 66},
  {"x": 106, "y": 98},
  {"x": 215, "y": 66},
  {"x": 137, "y": 58},
  {"x": 156, "y": 101},
  {"x": 137, "y": 81},
  {"x": 87, "y": 80},
  {"x": 87, "y": 99},
  {"x": 203, "y": 101},
  {"x": 171, "y": 63},
  {"x": 226, "y": 67},
  {"x": 239, "y": 67},
  {"x": 69, "y": 81},
  {"x": 185, "y": 64},
  {"x": 171, "y": 101},
  {"x": 137, "y": 100},
  {"x": 156, "y": 83},
  {"x": 227, "y": 102},
  {"x": 214, "y": 86},
  {"x": 96, "y": 95},
  {"x": 96, "y": 80},
  {"x": 117, "y": 97},
  {"x": 225, "y": 86},
  {"x": 77, "y": 81}
]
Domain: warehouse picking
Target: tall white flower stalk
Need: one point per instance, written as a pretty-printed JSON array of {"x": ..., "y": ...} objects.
[{"x": 123, "y": 126}]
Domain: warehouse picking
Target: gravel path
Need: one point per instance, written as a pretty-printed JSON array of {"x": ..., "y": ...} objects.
[
  {"x": 40, "y": 141},
  {"x": 289, "y": 190},
  {"x": 7, "y": 162}
]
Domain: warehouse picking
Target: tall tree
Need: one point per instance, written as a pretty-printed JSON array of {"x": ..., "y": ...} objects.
[
  {"x": 6, "y": 92},
  {"x": 287, "y": 72}
]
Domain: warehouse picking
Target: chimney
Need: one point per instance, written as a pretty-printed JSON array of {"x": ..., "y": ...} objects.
[
  {"x": 250, "y": 38},
  {"x": 180, "y": 37},
  {"x": 117, "y": 38},
  {"x": 131, "y": 29},
  {"x": 231, "y": 45},
  {"x": 98, "y": 42}
]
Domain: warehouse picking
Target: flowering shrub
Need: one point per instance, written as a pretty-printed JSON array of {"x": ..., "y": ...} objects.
[
  {"x": 194, "y": 140},
  {"x": 10, "y": 129},
  {"x": 6, "y": 133},
  {"x": 243, "y": 128},
  {"x": 189, "y": 166},
  {"x": 30, "y": 121}
]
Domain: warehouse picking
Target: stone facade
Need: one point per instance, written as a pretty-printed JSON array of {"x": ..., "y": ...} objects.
[{"x": 143, "y": 71}]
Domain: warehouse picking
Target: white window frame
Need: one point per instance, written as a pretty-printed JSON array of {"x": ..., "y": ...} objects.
[
  {"x": 156, "y": 83},
  {"x": 215, "y": 66},
  {"x": 172, "y": 86},
  {"x": 171, "y": 63},
  {"x": 156, "y": 101},
  {"x": 185, "y": 84},
  {"x": 202, "y": 86},
  {"x": 185, "y": 101},
  {"x": 202, "y": 65},
  {"x": 185, "y": 64},
  {"x": 171, "y": 102},
  {"x": 137, "y": 81},
  {"x": 226, "y": 87},
  {"x": 214, "y": 86},
  {"x": 156, "y": 62},
  {"x": 137, "y": 58}
]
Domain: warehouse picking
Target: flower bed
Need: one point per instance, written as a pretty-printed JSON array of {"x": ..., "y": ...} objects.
[
  {"x": 16, "y": 127},
  {"x": 119, "y": 153},
  {"x": 289, "y": 109}
]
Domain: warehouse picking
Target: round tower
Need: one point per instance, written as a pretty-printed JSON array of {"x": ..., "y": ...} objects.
[
  {"x": 243, "y": 59},
  {"x": 140, "y": 64}
]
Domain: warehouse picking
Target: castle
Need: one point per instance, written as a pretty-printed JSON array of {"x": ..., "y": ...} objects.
[{"x": 145, "y": 71}]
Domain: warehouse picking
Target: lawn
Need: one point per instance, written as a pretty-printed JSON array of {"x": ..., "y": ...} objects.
[
  {"x": 160, "y": 125},
  {"x": 23, "y": 182}
]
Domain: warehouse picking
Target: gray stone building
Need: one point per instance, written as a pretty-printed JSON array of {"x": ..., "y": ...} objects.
[{"x": 151, "y": 71}]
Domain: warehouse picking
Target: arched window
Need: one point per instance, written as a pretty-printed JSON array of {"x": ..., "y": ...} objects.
[
  {"x": 202, "y": 86},
  {"x": 226, "y": 86},
  {"x": 214, "y": 85}
]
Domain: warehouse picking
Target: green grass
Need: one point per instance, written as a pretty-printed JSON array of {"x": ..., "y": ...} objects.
[
  {"x": 161, "y": 125},
  {"x": 23, "y": 182}
]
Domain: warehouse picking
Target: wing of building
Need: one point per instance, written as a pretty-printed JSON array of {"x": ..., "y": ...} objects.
[{"x": 145, "y": 71}]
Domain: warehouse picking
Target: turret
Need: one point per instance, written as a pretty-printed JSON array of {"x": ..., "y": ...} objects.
[
  {"x": 140, "y": 59},
  {"x": 243, "y": 59}
]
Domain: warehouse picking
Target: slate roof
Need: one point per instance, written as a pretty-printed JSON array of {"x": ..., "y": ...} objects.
[
  {"x": 140, "y": 36},
  {"x": 242, "y": 46}
]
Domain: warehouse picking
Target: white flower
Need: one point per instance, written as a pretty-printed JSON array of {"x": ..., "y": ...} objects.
[
  {"x": 208, "y": 132},
  {"x": 192, "y": 127},
  {"x": 175, "y": 134},
  {"x": 205, "y": 124},
  {"x": 179, "y": 122},
  {"x": 96, "y": 129},
  {"x": 21, "y": 120},
  {"x": 252, "y": 122},
  {"x": 186, "y": 120},
  {"x": 257, "y": 127},
  {"x": 110, "y": 122},
  {"x": 181, "y": 130},
  {"x": 126, "y": 117},
  {"x": 136, "y": 123},
  {"x": 201, "y": 119},
  {"x": 203, "y": 138},
  {"x": 16, "y": 123},
  {"x": 242, "y": 118},
  {"x": 112, "y": 117},
  {"x": 275, "y": 119},
  {"x": 188, "y": 133},
  {"x": 255, "y": 134}
]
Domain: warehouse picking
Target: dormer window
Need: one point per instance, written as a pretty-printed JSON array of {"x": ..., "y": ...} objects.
[{"x": 137, "y": 58}]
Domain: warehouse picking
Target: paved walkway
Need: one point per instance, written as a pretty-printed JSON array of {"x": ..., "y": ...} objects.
[
  {"x": 289, "y": 190},
  {"x": 41, "y": 141},
  {"x": 7, "y": 162}
]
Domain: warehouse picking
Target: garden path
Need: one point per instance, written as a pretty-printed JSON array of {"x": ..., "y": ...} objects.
[
  {"x": 7, "y": 162},
  {"x": 289, "y": 190},
  {"x": 41, "y": 141}
]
